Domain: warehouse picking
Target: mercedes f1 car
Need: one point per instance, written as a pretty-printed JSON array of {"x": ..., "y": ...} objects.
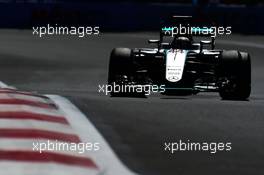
[{"x": 183, "y": 65}]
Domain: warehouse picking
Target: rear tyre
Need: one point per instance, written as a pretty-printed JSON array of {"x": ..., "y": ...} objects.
[{"x": 235, "y": 73}]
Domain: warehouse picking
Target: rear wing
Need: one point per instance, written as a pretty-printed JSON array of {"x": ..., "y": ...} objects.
[
  {"x": 184, "y": 26},
  {"x": 187, "y": 31},
  {"x": 178, "y": 26}
]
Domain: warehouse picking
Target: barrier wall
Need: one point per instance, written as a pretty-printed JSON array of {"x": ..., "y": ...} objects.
[{"x": 126, "y": 16}]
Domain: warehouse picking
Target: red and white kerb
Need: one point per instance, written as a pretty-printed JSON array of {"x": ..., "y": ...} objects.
[{"x": 26, "y": 118}]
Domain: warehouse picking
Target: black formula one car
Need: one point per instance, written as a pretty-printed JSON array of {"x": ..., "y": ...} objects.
[{"x": 181, "y": 66}]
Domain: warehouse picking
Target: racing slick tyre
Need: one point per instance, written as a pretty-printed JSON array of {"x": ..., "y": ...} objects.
[
  {"x": 120, "y": 71},
  {"x": 235, "y": 69},
  {"x": 120, "y": 64}
]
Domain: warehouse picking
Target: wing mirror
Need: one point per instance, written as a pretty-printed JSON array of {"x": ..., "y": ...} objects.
[
  {"x": 166, "y": 45},
  {"x": 153, "y": 41},
  {"x": 203, "y": 43}
]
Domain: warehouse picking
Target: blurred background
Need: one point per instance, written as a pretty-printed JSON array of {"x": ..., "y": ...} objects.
[{"x": 244, "y": 16}]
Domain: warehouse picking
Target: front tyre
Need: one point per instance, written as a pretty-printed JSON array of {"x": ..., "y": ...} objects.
[
  {"x": 120, "y": 64},
  {"x": 121, "y": 72}
]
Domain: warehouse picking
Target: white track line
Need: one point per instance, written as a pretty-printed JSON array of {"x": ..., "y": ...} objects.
[
  {"x": 3, "y": 85},
  {"x": 105, "y": 158}
]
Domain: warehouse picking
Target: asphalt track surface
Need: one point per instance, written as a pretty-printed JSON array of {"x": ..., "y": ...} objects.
[{"x": 136, "y": 128}]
